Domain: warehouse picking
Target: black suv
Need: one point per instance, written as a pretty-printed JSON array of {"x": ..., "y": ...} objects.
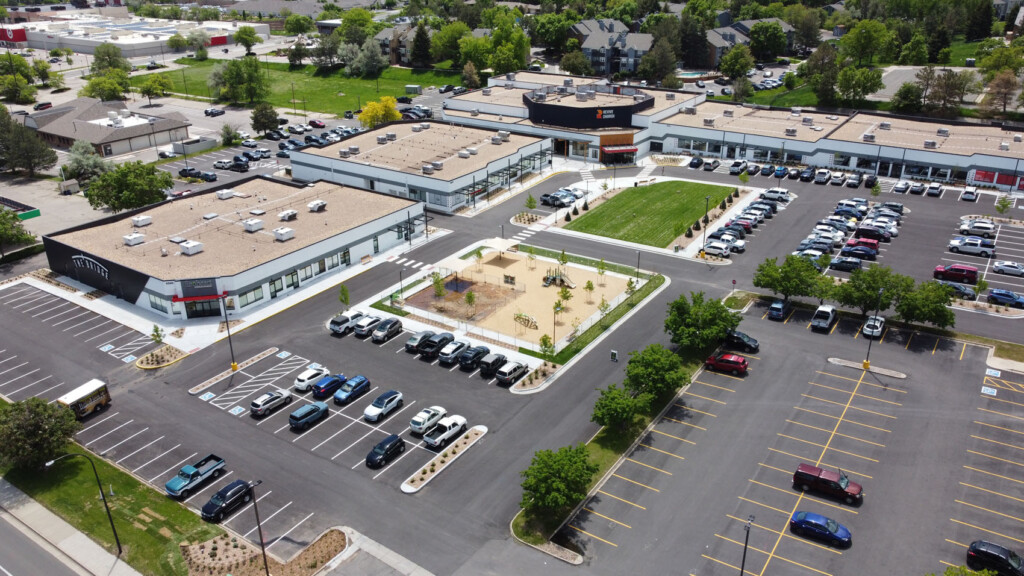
[
  {"x": 385, "y": 451},
  {"x": 696, "y": 162},
  {"x": 741, "y": 341},
  {"x": 239, "y": 167},
  {"x": 432, "y": 346},
  {"x": 471, "y": 358},
  {"x": 1003, "y": 561},
  {"x": 190, "y": 173},
  {"x": 226, "y": 500},
  {"x": 807, "y": 174}
]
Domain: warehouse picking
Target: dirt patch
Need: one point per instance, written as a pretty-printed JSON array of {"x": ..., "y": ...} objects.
[
  {"x": 153, "y": 514},
  {"x": 161, "y": 357},
  {"x": 222, "y": 327},
  {"x": 227, "y": 555}
]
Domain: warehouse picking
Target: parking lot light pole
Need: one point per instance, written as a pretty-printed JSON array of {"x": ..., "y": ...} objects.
[
  {"x": 100, "y": 485},
  {"x": 746, "y": 540},
  {"x": 259, "y": 527},
  {"x": 638, "y": 266},
  {"x": 227, "y": 325},
  {"x": 704, "y": 242},
  {"x": 401, "y": 286},
  {"x": 878, "y": 306}
]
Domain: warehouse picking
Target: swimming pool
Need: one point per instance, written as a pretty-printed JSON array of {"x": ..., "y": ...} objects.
[{"x": 692, "y": 74}]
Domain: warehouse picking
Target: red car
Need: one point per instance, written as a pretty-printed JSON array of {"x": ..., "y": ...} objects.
[
  {"x": 956, "y": 273},
  {"x": 317, "y": 124},
  {"x": 732, "y": 363},
  {"x": 747, "y": 225},
  {"x": 865, "y": 242}
]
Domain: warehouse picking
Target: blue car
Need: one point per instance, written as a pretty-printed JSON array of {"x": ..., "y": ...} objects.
[
  {"x": 781, "y": 172},
  {"x": 767, "y": 170},
  {"x": 848, "y": 213},
  {"x": 353, "y": 388},
  {"x": 1005, "y": 298},
  {"x": 779, "y": 310},
  {"x": 861, "y": 252},
  {"x": 816, "y": 526},
  {"x": 327, "y": 385}
]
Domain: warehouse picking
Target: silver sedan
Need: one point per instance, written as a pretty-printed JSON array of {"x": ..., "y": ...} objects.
[{"x": 1007, "y": 267}]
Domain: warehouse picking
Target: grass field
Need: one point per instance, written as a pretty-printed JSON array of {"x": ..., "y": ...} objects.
[
  {"x": 653, "y": 215},
  {"x": 799, "y": 96},
  {"x": 331, "y": 93},
  {"x": 149, "y": 524},
  {"x": 960, "y": 50}
]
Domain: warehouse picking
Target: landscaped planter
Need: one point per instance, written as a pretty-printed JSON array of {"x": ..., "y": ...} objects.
[{"x": 448, "y": 454}]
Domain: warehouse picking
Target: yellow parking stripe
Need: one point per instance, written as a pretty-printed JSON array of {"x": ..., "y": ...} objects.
[
  {"x": 857, "y": 333},
  {"x": 780, "y": 511},
  {"x": 776, "y": 488},
  {"x": 845, "y": 420},
  {"x": 1000, "y": 476},
  {"x": 738, "y": 543},
  {"x": 607, "y": 518},
  {"x": 884, "y": 332},
  {"x": 885, "y": 387},
  {"x": 582, "y": 531},
  {"x": 754, "y": 524},
  {"x": 995, "y": 458},
  {"x": 854, "y": 454},
  {"x": 1021, "y": 520},
  {"x": 963, "y": 350},
  {"x": 834, "y": 326},
  {"x": 836, "y": 375},
  {"x": 816, "y": 444},
  {"x": 956, "y": 543},
  {"x": 937, "y": 340},
  {"x": 837, "y": 433},
  {"x": 691, "y": 409},
  {"x": 850, "y": 407},
  {"x": 802, "y": 458},
  {"x": 733, "y": 567},
  {"x": 911, "y": 337},
  {"x": 774, "y": 468},
  {"x": 662, "y": 451},
  {"x": 1000, "y": 413},
  {"x": 676, "y": 437},
  {"x": 688, "y": 393},
  {"x": 730, "y": 376},
  {"x": 790, "y": 317},
  {"x": 840, "y": 390},
  {"x": 808, "y": 542},
  {"x": 648, "y": 466},
  {"x": 1004, "y": 401},
  {"x": 984, "y": 530},
  {"x": 765, "y": 315},
  {"x": 713, "y": 386},
  {"x": 621, "y": 499},
  {"x": 685, "y": 423},
  {"x": 635, "y": 482},
  {"x": 879, "y": 400},
  {"x": 992, "y": 492},
  {"x": 999, "y": 427},
  {"x": 1014, "y": 446}
]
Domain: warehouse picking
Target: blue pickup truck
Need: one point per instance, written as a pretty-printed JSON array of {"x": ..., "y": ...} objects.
[{"x": 191, "y": 476}]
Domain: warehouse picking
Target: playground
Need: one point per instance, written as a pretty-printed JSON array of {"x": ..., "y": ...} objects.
[{"x": 516, "y": 297}]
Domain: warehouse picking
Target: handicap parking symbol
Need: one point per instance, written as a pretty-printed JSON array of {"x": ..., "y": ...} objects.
[
  {"x": 283, "y": 354},
  {"x": 207, "y": 396},
  {"x": 314, "y": 366},
  {"x": 237, "y": 410},
  {"x": 106, "y": 347},
  {"x": 128, "y": 358},
  {"x": 993, "y": 373},
  {"x": 988, "y": 391}
]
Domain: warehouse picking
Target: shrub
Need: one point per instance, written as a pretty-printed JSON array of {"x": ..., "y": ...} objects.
[
  {"x": 568, "y": 217},
  {"x": 689, "y": 233},
  {"x": 586, "y": 206},
  {"x": 722, "y": 205},
  {"x": 696, "y": 225},
  {"x": 575, "y": 211}
]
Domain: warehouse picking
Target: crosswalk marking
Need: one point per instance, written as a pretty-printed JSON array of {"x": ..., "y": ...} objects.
[{"x": 269, "y": 376}]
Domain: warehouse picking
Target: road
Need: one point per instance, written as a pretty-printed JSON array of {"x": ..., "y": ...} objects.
[{"x": 22, "y": 556}]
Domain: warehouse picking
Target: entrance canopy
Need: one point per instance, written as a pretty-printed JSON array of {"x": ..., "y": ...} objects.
[{"x": 618, "y": 149}]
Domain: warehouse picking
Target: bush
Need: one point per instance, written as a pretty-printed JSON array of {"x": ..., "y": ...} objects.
[
  {"x": 689, "y": 233},
  {"x": 722, "y": 205},
  {"x": 575, "y": 211},
  {"x": 696, "y": 225},
  {"x": 586, "y": 206},
  {"x": 568, "y": 217}
]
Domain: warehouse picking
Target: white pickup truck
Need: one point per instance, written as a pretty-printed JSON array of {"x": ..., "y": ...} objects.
[
  {"x": 445, "y": 431},
  {"x": 973, "y": 245}
]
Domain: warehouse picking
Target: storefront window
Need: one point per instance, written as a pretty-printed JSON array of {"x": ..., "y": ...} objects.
[
  {"x": 254, "y": 295},
  {"x": 158, "y": 303},
  {"x": 332, "y": 261}
]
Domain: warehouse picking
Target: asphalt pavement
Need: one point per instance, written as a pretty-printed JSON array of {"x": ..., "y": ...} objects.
[{"x": 21, "y": 555}]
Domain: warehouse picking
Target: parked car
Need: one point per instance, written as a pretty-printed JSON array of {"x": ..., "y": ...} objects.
[
  {"x": 227, "y": 500},
  {"x": 1007, "y": 267},
  {"x": 807, "y": 174},
  {"x": 873, "y": 327},
  {"x": 431, "y": 347},
  {"x": 383, "y": 405},
  {"x": 956, "y": 273},
  {"x": 970, "y": 194},
  {"x": 305, "y": 380},
  {"x": 870, "y": 180},
  {"x": 753, "y": 169},
  {"x": 822, "y": 176},
  {"x": 811, "y": 478},
  {"x": 284, "y": 154},
  {"x": 446, "y": 88},
  {"x": 317, "y": 124},
  {"x": 934, "y": 189},
  {"x": 726, "y": 362},
  {"x": 917, "y": 188},
  {"x": 425, "y": 419},
  {"x": 984, "y": 555},
  {"x": 344, "y": 323},
  {"x": 189, "y": 172},
  {"x": 208, "y": 176},
  {"x": 404, "y": 100},
  {"x": 712, "y": 165},
  {"x": 824, "y": 317},
  {"x": 768, "y": 169},
  {"x": 491, "y": 363},
  {"x": 741, "y": 341},
  {"x": 1005, "y": 298},
  {"x": 450, "y": 353},
  {"x": 738, "y": 167},
  {"x": 795, "y": 173},
  {"x": 853, "y": 181},
  {"x": 776, "y": 194},
  {"x": 470, "y": 359},
  {"x": 845, "y": 264},
  {"x": 901, "y": 187},
  {"x": 696, "y": 162},
  {"x": 959, "y": 290},
  {"x": 779, "y": 310},
  {"x": 872, "y": 233},
  {"x": 213, "y": 112},
  {"x": 838, "y": 179},
  {"x": 820, "y": 528},
  {"x": 270, "y": 401},
  {"x": 716, "y": 248},
  {"x": 305, "y": 416},
  {"x": 387, "y": 329},
  {"x": 510, "y": 372},
  {"x": 327, "y": 385},
  {"x": 351, "y": 389},
  {"x": 366, "y": 326},
  {"x": 239, "y": 167},
  {"x": 222, "y": 164},
  {"x": 166, "y": 154},
  {"x": 385, "y": 451}
]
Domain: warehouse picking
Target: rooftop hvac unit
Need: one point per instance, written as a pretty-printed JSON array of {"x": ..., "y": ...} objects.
[
  {"x": 727, "y": 113},
  {"x": 930, "y": 144},
  {"x": 191, "y": 247},
  {"x": 463, "y": 153},
  {"x": 541, "y": 97},
  {"x": 353, "y": 150},
  {"x": 504, "y": 135},
  {"x": 472, "y": 150},
  {"x": 591, "y": 95},
  {"x": 709, "y": 121},
  {"x": 1016, "y": 137},
  {"x": 487, "y": 91},
  {"x": 252, "y": 225},
  {"x": 111, "y": 115},
  {"x": 140, "y": 221},
  {"x": 382, "y": 139},
  {"x": 868, "y": 137},
  {"x": 1004, "y": 146},
  {"x": 391, "y": 136},
  {"x": 283, "y": 234},
  {"x": 416, "y": 127},
  {"x": 495, "y": 139},
  {"x": 343, "y": 153},
  {"x": 510, "y": 76},
  {"x": 287, "y": 215},
  {"x": 425, "y": 125},
  {"x": 942, "y": 132},
  {"x": 437, "y": 165},
  {"x": 807, "y": 121},
  {"x": 175, "y": 239},
  {"x": 225, "y": 194},
  {"x": 581, "y": 96},
  {"x": 257, "y": 212},
  {"x": 317, "y": 206},
  {"x": 670, "y": 96},
  {"x": 833, "y": 117},
  {"x": 134, "y": 239},
  {"x": 428, "y": 169},
  {"x": 790, "y": 131},
  {"x": 209, "y": 216},
  {"x": 567, "y": 82},
  {"x": 126, "y": 113},
  {"x": 796, "y": 111},
  {"x": 509, "y": 85},
  {"x": 560, "y": 89},
  {"x": 885, "y": 126},
  {"x": 689, "y": 110}
]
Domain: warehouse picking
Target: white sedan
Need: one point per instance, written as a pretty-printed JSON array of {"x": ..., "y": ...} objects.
[
  {"x": 422, "y": 423},
  {"x": 1007, "y": 267},
  {"x": 250, "y": 143},
  {"x": 719, "y": 249},
  {"x": 873, "y": 326},
  {"x": 309, "y": 377}
]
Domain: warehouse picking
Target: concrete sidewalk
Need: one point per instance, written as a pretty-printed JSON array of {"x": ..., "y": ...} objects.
[{"x": 71, "y": 547}]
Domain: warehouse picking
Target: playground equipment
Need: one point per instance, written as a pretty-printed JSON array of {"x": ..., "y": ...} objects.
[
  {"x": 558, "y": 276},
  {"x": 526, "y": 320}
]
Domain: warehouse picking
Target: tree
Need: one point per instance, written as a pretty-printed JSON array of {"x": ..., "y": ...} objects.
[
  {"x": 369, "y": 61},
  {"x": 129, "y": 185},
  {"x": 654, "y": 373},
  {"x": 862, "y": 289},
  {"x": 56, "y": 81},
  {"x": 855, "y": 84},
  {"x": 25, "y": 150},
  {"x": 356, "y": 25},
  {"x": 470, "y": 79},
  {"x": 795, "y": 277},
  {"x": 767, "y": 40},
  {"x": 736, "y": 62},
  {"x": 693, "y": 40},
  {"x": 328, "y": 52},
  {"x": 41, "y": 69},
  {"x": 864, "y": 41},
  {"x": 264, "y": 117},
  {"x": 565, "y": 294},
  {"x": 907, "y": 99},
  {"x": 1002, "y": 58},
  {"x": 177, "y": 42},
  {"x": 979, "y": 19},
  {"x": 475, "y": 50},
  {"x": 12, "y": 65},
  {"x": 696, "y": 323},
  {"x": 33, "y": 432},
  {"x": 741, "y": 90},
  {"x": 16, "y": 89},
  {"x": 247, "y": 36},
  {"x": 84, "y": 163},
  {"x": 547, "y": 348},
  {"x": 915, "y": 52},
  {"x": 237, "y": 80},
  {"x": 927, "y": 302},
  {"x": 658, "y": 63},
  {"x": 615, "y": 408},
  {"x": 297, "y": 24},
  {"x": 12, "y": 230},
  {"x": 601, "y": 269},
  {"x": 202, "y": 53},
  {"x": 444, "y": 45},
  {"x": 470, "y": 299},
  {"x": 604, "y": 307},
  {"x": 438, "y": 283},
  {"x": 1002, "y": 90},
  {"x": 157, "y": 335},
  {"x": 298, "y": 53},
  {"x": 107, "y": 56},
  {"x": 531, "y": 202},
  {"x": 106, "y": 87},
  {"x": 806, "y": 26},
  {"x": 506, "y": 59},
  {"x": 1003, "y": 204},
  {"x": 380, "y": 112},
  {"x": 589, "y": 288},
  {"x": 556, "y": 481},
  {"x": 421, "y": 46},
  {"x": 577, "y": 64},
  {"x": 343, "y": 295},
  {"x": 228, "y": 134},
  {"x": 822, "y": 72},
  {"x": 552, "y": 30},
  {"x": 155, "y": 85}
]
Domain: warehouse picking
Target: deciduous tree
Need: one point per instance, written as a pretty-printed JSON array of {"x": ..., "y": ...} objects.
[
  {"x": 33, "y": 432},
  {"x": 247, "y": 36},
  {"x": 155, "y": 85},
  {"x": 12, "y": 230},
  {"x": 767, "y": 40},
  {"x": 177, "y": 42},
  {"x": 298, "y": 24},
  {"x": 370, "y": 60},
  {"x": 864, "y": 41},
  {"x": 927, "y": 302},
  {"x": 907, "y": 99},
  {"x": 862, "y": 289},
  {"x": 653, "y": 373},
  {"x": 380, "y": 112},
  {"x": 556, "y": 481},
  {"x": 615, "y": 408},
  {"x": 84, "y": 163},
  {"x": 698, "y": 322},
  {"x": 795, "y": 277},
  {"x": 264, "y": 117},
  {"x": 470, "y": 78},
  {"x": 297, "y": 54},
  {"x": 25, "y": 150},
  {"x": 736, "y": 62},
  {"x": 855, "y": 84},
  {"x": 107, "y": 56},
  {"x": 576, "y": 63},
  {"x": 444, "y": 45},
  {"x": 129, "y": 185},
  {"x": 1002, "y": 90}
]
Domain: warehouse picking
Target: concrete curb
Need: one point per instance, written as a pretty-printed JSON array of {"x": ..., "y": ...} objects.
[
  {"x": 203, "y": 386},
  {"x": 576, "y": 561},
  {"x": 166, "y": 364},
  {"x": 408, "y": 488}
]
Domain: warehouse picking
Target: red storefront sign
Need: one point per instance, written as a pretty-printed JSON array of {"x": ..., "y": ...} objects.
[{"x": 984, "y": 176}]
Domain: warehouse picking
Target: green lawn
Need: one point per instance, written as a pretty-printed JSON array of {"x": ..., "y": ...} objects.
[
  {"x": 960, "y": 50},
  {"x": 331, "y": 93},
  {"x": 149, "y": 524},
  {"x": 653, "y": 215},
  {"x": 800, "y": 96}
]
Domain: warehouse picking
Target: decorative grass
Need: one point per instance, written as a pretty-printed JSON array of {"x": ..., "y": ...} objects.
[{"x": 653, "y": 215}]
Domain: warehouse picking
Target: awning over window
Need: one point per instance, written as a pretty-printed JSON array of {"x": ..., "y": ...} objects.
[
  {"x": 618, "y": 149},
  {"x": 198, "y": 298}
]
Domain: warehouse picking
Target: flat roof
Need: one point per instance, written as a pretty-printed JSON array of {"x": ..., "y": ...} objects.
[
  {"x": 512, "y": 121},
  {"x": 760, "y": 122},
  {"x": 227, "y": 248},
  {"x": 548, "y": 79},
  {"x": 499, "y": 95},
  {"x": 963, "y": 140},
  {"x": 410, "y": 150}
]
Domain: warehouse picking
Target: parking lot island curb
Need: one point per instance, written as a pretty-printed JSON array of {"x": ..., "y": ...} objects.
[
  {"x": 872, "y": 369},
  {"x": 138, "y": 363},
  {"x": 549, "y": 548},
  {"x": 412, "y": 489},
  {"x": 204, "y": 385}
]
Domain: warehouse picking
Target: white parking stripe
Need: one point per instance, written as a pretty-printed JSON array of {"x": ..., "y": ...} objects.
[
  {"x": 13, "y": 367},
  {"x": 66, "y": 303},
  {"x": 50, "y": 301},
  {"x": 264, "y": 521},
  {"x": 103, "y": 452},
  {"x": 102, "y": 333},
  {"x": 97, "y": 423},
  {"x": 109, "y": 432},
  {"x": 73, "y": 326},
  {"x": 24, "y": 296},
  {"x": 155, "y": 459},
  {"x": 13, "y": 392},
  {"x": 175, "y": 467},
  {"x": 19, "y": 377},
  {"x": 333, "y": 435},
  {"x": 68, "y": 311},
  {"x": 31, "y": 300},
  {"x": 386, "y": 468},
  {"x": 93, "y": 328},
  {"x": 43, "y": 393},
  {"x": 84, "y": 312},
  {"x": 281, "y": 537},
  {"x": 209, "y": 484},
  {"x": 376, "y": 428},
  {"x": 139, "y": 450},
  {"x": 12, "y": 292}
]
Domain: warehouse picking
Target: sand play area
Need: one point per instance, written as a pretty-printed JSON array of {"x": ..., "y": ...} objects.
[{"x": 507, "y": 284}]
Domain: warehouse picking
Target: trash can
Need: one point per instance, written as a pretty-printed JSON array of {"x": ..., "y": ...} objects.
[{"x": 677, "y": 248}]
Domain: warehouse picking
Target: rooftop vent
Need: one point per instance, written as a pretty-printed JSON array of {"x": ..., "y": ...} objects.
[
  {"x": 591, "y": 95},
  {"x": 283, "y": 234},
  {"x": 486, "y": 91},
  {"x": 287, "y": 215},
  {"x": 581, "y": 96},
  {"x": 382, "y": 139},
  {"x": 509, "y": 85},
  {"x": 1016, "y": 137},
  {"x": 134, "y": 239},
  {"x": 425, "y": 125},
  {"x": 504, "y": 135},
  {"x": 343, "y": 153},
  {"x": 176, "y": 239},
  {"x": 317, "y": 206},
  {"x": 567, "y": 82},
  {"x": 416, "y": 127},
  {"x": 868, "y": 137},
  {"x": 944, "y": 132},
  {"x": 252, "y": 225},
  {"x": 510, "y": 76},
  {"x": 796, "y": 111},
  {"x": 670, "y": 96},
  {"x": 353, "y": 150},
  {"x": 727, "y": 113},
  {"x": 257, "y": 212},
  {"x": 930, "y": 144},
  {"x": 807, "y": 121},
  {"x": 885, "y": 126},
  {"x": 540, "y": 97},
  {"x": 709, "y": 121},
  {"x": 833, "y": 117},
  {"x": 1004, "y": 146},
  {"x": 437, "y": 165},
  {"x": 140, "y": 221},
  {"x": 428, "y": 169},
  {"x": 472, "y": 150},
  {"x": 126, "y": 113},
  {"x": 560, "y": 89},
  {"x": 209, "y": 216},
  {"x": 495, "y": 139},
  {"x": 225, "y": 194},
  {"x": 639, "y": 97},
  {"x": 191, "y": 247},
  {"x": 391, "y": 136},
  {"x": 689, "y": 110},
  {"x": 463, "y": 153},
  {"x": 790, "y": 131}
]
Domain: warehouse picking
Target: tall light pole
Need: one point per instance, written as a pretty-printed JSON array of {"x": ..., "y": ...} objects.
[
  {"x": 259, "y": 527},
  {"x": 100, "y": 485},
  {"x": 401, "y": 286},
  {"x": 704, "y": 242},
  {"x": 227, "y": 325},
  {"x": 638, "y": 266},
  {"x": 294, "y": 108},
  {"x": 746, "y": 540},
  {"x": 878, "y": 306}
]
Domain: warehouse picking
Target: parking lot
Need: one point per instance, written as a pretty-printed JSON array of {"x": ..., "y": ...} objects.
[{"x": 205, "y": 162}]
